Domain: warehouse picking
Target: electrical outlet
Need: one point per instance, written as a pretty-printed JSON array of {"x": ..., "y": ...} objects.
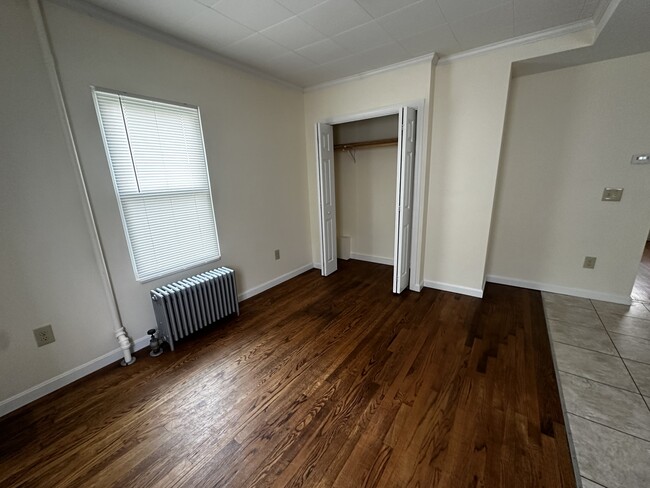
[
  {"x": 44, "y": 335},
  {"x": 612, "y": 194},
  {"x": 590, "y": 262},
  {"x": 277, "y": 254}
]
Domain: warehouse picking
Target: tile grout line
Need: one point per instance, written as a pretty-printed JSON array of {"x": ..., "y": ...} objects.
[
  {"x": 599, "y": 382},
  {"x": 594, "y": 482},
  {"x": 592, "y": 350},
  {"x": 621, "y": 358},
  {"x": 609, "y": 427}
]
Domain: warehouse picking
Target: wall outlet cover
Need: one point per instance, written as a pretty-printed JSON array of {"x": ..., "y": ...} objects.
[
  {"x": 589, "y": 263},
  {"x": 44, "y": 335},
  {"x": 277, "y": 254}
]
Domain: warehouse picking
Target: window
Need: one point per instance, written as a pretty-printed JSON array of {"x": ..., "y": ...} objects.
[{"x": 157, "y": 159}]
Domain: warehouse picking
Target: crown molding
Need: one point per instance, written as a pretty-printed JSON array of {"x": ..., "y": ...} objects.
[
  {"x": 603, "y": 15},
  {"x": 142, "y": 29},
  {"x": 521, "y": 40},
  {"x": 432, "y": 57}
]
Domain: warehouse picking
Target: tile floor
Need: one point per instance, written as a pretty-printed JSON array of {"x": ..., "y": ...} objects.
[{"x": 602, "y": 353}]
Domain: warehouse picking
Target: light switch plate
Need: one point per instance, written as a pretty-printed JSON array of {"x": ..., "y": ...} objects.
[
  {"x": 641, "y": 159},
  {"x": 612, "y": 194}
]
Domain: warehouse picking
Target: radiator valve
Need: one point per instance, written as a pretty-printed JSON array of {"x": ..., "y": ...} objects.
[{"x": 155, "y": 344}]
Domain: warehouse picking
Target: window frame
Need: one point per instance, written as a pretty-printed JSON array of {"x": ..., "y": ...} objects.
[{"x": 166, "y": 272}]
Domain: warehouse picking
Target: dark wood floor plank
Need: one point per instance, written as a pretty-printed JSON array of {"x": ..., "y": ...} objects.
[{"x": 329, "y": 382}]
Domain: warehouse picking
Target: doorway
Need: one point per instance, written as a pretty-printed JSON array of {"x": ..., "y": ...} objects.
[{"x": 407, "y": 202}]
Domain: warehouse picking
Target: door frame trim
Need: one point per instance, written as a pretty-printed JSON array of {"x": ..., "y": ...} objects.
[{"x": 417, "y": 235}]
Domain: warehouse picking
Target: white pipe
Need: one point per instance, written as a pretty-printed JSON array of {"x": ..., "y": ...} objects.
[{"x": 50, "y": 63}]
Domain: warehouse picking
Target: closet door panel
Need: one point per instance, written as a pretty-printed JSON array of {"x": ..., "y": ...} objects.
[
  {"x": 404, "y": 199},
  {"x": 326, "y": 197}
]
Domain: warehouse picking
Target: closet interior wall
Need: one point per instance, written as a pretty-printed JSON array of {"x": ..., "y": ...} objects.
[{"x": 366, "y": 177}]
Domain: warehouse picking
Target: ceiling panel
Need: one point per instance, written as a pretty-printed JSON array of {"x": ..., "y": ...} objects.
[
  {"x": 485, "y": 28},
  {"x": 297, "y": 6},
  {"x": 442, "y": 37},
  {"x": 335, "y": 16},
  {"x": 215, "y": 28},
  {"x": 413, "y": 19},
  {"x": 312, "y": 41},
  {"x": 454, "y": 10},
  {"x": 293, "y": 33},
  {"x": 363, "y": 38},
  {"x": 255, "y": 48},
  {"x": 254, "y": 14},
  {"x": 324, "y": 51},
  {"x": 379, "y": 8}
]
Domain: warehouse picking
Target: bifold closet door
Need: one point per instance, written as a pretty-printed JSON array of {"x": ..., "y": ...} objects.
[
  {"x": 404, "y": 199},
  {"x": 326, "y": 197}
]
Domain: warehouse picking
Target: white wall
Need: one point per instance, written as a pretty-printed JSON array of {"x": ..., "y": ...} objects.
[
  {"x": 255, "y": 146},
  {"x": 49, "y": 273},
  {"x": 469, "y": 107},
  {"x": 570, "y": 133},
  {"x": 365, "y": 199}
]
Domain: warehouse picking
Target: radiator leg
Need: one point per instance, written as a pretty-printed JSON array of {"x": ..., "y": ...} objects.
[{"x": 125, "y": 345}]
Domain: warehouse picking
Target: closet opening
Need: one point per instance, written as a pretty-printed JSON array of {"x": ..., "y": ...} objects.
[{"x": 366, "y": 173}]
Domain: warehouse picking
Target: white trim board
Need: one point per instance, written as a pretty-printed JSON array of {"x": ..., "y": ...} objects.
[
  {"x": 562, "y": 290},
  {"x": 432, "y": 57},
  {"x": 49, "y": 386},
  {"x": 371, "y": 259},
  {"x": 463, "y": 290},
  {"x": 256, "y": 290},
  {"x": 521, "y": 40}
]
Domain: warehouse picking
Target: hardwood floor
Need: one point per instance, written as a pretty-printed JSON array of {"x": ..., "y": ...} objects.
[
  {"x": 328, "y": 382},
  {"x": 641, "y": 290}
]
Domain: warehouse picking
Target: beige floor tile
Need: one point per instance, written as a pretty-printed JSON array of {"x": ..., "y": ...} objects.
[
  {"x": 571, "y": 314},
  {"x": 641, "y": 375},
  {"x": 626, "y": 325},
  {"x": 593, "y": 365},
  {"x": 636, "y": 309},
  {"x": 610, "y": 457},
  {"x": 568, "y": 300},
  {"x": 633, "y": 348},
  {"x": 585, "y": 337},
  {"x": 613, "y": 407}
]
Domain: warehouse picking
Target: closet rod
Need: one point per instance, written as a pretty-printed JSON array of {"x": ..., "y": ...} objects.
[{"x": 355, "y": 145}]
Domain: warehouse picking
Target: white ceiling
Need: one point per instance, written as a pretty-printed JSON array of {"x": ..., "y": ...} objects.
[{"x": 307, "y": 42}]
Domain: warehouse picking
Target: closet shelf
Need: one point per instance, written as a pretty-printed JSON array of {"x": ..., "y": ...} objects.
[{"x": 356, "y": 145}]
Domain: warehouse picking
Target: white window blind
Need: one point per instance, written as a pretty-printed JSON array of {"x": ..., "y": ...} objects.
[{"x": 157, "y": 159}]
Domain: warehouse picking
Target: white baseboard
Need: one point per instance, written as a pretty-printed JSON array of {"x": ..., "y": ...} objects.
[
  {"x": 417, "y": 287},
  {"x": 274, "y": 282},
  {"x": 563, "y": 290},
  {"x": 48, "y": 386},
  {"x": 371, "y": 259},
  {"x": 317, "y": 266},
  {"x": 463, "y": 290}
]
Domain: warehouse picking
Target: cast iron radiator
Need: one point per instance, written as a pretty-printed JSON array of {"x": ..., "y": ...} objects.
[{"x": 185, "y": 306}]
